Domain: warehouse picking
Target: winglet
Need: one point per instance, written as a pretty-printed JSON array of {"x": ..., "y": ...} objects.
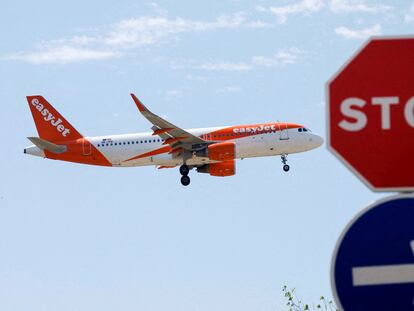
[{"x": 140, "y": 105}]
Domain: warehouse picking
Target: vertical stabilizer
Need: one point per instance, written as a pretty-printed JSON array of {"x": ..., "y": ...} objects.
[{"x": 50, "y": 124}]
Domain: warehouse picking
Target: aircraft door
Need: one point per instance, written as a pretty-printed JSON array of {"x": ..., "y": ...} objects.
[
  {"x": 283, "y": 131},
  {"x": 86, "y": 148}
]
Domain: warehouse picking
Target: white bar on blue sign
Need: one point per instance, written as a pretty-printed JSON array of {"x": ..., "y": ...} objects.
[{"x": 383, "y": 275}]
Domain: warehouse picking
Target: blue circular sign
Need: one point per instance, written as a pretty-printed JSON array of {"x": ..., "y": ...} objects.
[{"x": 373, "y": 262}]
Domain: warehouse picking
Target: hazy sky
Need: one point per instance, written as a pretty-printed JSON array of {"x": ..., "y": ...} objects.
[{"x": 76, "y": 237}]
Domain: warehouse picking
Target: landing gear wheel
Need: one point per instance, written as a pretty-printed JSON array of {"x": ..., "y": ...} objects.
[
  {"x": 184, "y": 169},
  {"x": 284, "y": 161},
  {"x": 185, "y": 180}
]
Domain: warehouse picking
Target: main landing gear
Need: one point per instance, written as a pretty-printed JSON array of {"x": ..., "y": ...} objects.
[
  {"x": 184, "y": 170},
  {"x": 286, "y": 167}
]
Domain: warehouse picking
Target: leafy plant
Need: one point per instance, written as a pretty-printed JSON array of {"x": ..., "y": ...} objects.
[{"x": 295, "y": 304}]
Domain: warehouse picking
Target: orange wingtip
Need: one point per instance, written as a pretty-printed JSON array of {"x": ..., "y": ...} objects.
[{"x": 140, "y": 105}]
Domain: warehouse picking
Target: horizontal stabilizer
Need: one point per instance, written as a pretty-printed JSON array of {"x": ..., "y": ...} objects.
[{"x": 47, "y": 145}]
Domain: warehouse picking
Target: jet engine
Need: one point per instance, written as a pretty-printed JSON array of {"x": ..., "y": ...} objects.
[
  {"x": 222, "y": 169},
  {"x": 222, "y": 151}
]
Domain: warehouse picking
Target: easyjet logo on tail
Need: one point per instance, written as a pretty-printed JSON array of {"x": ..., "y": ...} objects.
[{"x": 49, "y": 117}]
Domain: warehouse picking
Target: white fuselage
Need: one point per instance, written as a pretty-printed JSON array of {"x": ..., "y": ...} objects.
[{"x": 121, "y": 150}]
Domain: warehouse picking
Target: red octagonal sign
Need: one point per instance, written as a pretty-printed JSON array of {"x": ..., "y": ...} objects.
[{"x": 371, "y": 114}]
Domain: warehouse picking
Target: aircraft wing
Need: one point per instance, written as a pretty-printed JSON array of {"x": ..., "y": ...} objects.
[{"x": 172, "y": 135}]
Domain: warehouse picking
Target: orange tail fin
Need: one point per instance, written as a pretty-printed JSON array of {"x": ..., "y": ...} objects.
[{"x": 50, "y": 124}]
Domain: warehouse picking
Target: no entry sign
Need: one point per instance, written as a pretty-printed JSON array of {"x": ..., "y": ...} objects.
[
  {"x": 373, "y": 262},
  {"x": 370, "y": 104}
]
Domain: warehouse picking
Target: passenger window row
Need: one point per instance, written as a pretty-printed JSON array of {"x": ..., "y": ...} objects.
[
  {"x": 162, "y": 140},
  {"x": 131, "y": 142}
]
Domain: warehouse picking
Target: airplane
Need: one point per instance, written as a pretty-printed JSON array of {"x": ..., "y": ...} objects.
[{"x": 210, "y": 150}]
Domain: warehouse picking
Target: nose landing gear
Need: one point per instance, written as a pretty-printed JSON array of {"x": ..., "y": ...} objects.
[
  {"x": 184, "y": 170},
  {"x": 286, "y": 167}
]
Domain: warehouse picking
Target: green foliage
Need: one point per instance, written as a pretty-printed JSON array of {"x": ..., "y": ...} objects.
[{"x": 295, "y": 304}]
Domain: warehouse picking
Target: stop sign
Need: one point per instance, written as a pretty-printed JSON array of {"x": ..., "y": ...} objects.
[{"x": 370, "y": 112}]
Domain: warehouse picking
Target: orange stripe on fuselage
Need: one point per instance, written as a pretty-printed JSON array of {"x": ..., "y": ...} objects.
[{"x": 151, "y": 153}]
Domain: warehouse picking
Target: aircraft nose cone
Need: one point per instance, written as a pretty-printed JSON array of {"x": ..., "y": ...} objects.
[{"x": 316, "y": 141}]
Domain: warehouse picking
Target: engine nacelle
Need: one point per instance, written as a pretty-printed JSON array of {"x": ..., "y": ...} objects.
[
  {"x": 222, "y": 151},
  {"x": 222, "y": 169}
]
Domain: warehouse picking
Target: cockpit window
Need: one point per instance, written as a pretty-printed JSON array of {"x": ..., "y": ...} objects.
[{"x": 304, "y": 129}]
